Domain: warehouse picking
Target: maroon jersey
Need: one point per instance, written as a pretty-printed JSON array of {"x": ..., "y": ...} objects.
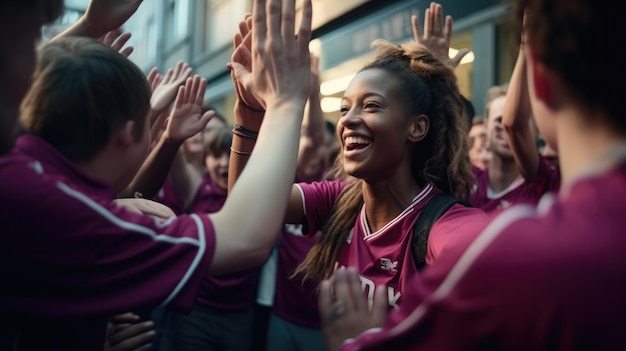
[
  {"x": 295, "y": 301},
  {"x": 384, "y": 256},
  {"x": 538, "y": 277},
  {"x": 69, "y": 252},
  {"x": 168, "y": 196},
  {"x": 234, "y": 291},
  {"x": 547, "y": 179}
]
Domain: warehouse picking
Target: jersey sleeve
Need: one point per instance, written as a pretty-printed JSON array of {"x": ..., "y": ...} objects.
[
  {"x": 318, "y": 199},
  {"x": 88, "y": 256},
  {"x": 457, "y": 227}
]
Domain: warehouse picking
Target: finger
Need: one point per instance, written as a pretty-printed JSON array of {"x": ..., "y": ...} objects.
[
  {"x": 177, "y": 69},
  {"x": 259, "y": 33},
  {"x": 288, "y": 23},
  {"x": 427, "y": 24},
  {"x": 157, "y": 81},
  {"x": 152, "y": 74},
  {"x": 168, "y": 76},
  {"x": 274, "y": 16},
  {"x": 305, "y": 32},
  {"x": 244, "y": 25},
  {"x": 380, "y": 306},
  {"x": 195, "y": 86},
  {"x": 325, "y": 300},
  {"x": 127, "y": 51},
  {"x": 342, "y": 284},
  {"x": 186, "y": 73},
  {"x": 121, "y": 41},
  {"x": 108, "y": 38},
  {"x": 127, "y": 317},
  {"x": 448, "y": 31},
  {"x": 415, "y": 24},
  {"x": 356, "y": 296},
  {"x": 133, "y": 336},
  {"x": 201, "y": 92},
  {"x": 459, "y": 56},
  {"x": 437, "y": 17},
  {"x": 180, "y": 96}
]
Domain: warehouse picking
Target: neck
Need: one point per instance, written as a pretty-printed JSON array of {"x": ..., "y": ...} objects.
[
  {"x": 100, "y": 168},
  {"x": 384, "y": 201},
  {"x": 502, "y": 172},
  {"x": 587, "y": 148}
]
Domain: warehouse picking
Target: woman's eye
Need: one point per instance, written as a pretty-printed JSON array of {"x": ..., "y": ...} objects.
[
  {"x": 343, "y": 109},
  {"x": 370, "y": 105}
]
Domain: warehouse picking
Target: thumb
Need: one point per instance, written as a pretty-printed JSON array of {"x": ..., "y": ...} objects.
[{"x": 459, "y": 56}]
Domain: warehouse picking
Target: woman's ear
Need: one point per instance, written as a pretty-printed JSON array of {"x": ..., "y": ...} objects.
[{"x": 418, "y": 128}]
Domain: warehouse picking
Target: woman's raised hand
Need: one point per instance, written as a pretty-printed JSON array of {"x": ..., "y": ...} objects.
[{"x": 271, "y": 63}]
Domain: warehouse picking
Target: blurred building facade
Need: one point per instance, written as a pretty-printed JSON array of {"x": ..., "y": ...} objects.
[{"x": 200, "y": 33}]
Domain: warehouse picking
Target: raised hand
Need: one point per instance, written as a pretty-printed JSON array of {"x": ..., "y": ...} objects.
[
  {"x": 242, "y": 41},
  {"x": 436, "y": 37},
  {"x": 103, "y": 16},
  {"x": 186, "y": 119},
  {"x": 116, "y": 39},
  {"x": 154, "y": 78},
  {"x": 165, "y": 92},
  {"x": 344, "y": 310},
  {"x": 276, "y": 52}
]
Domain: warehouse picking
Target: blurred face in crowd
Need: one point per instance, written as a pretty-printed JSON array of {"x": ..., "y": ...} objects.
[
  {"x": 478, "y": 154},
  {"x": 496, "y": 139},
  {"x": 217, "y": 167}
]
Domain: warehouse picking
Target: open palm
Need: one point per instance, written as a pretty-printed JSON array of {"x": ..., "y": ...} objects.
[{"x": 186, "y": 117}]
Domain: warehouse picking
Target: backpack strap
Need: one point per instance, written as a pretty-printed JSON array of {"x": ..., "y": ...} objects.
[{"x": 432, "y": 211}]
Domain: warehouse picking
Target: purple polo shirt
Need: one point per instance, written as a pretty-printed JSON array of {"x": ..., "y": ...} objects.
[
  {"x": 70, "y": 254},
  {"x": 548, "y": 179},
  {"x": 384, "y": 256},
  {"x": 546, "y": 277},
  {"x": 234, "y": 291}
]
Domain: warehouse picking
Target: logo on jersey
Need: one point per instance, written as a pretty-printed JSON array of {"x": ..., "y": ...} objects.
[{"x": 387, "y": 265}]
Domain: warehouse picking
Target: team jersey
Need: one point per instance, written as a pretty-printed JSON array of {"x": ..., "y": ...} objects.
[
  {"x": 72, "y": 257},
  {"x": 519, "y": 191},
  {"x": 295, "y": 300},
  {"x": 384, "y": 256},
  {"x": 234, "y": 291},
  {"x": 171, "y": 198},
  {"x": 546, "y": 277}
]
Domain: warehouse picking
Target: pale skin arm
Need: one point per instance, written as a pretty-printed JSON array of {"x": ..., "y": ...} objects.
[
  {"x": 246, "y": 228},
  {"x": 249, "y": 113},
  {"x": 101, "y": 17},
  {"x": 517, "y": 121}
]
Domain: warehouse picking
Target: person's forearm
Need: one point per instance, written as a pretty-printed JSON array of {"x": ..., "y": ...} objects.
[
  {"x": 81, "y": 28},
  {"x": 241, "y": 146},
  {"x": 517, "y": 121},
  {"x": 154, "y": 170}
]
